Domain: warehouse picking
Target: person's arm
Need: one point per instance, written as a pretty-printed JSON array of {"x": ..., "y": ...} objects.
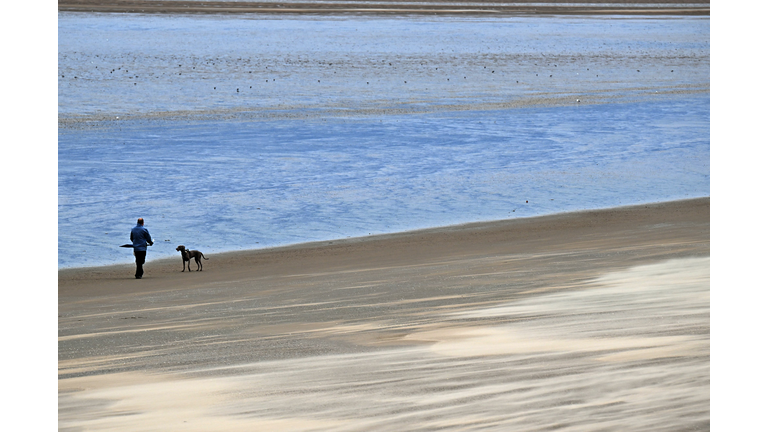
[{"x": 149, "y": 238}]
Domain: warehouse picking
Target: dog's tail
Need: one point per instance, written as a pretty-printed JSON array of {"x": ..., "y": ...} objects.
[{"x": 201, "y": 254}]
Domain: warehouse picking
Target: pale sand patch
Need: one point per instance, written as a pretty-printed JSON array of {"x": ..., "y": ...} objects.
[
  {"x": 143, "y": 402},
  {"x": 578, "y": 360},
  {"x": 635, "y": 301},
  {"x": 473, "y": 342}
]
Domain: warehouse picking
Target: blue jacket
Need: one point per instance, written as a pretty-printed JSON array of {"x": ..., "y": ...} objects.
[{"x": 140, "y": 237}]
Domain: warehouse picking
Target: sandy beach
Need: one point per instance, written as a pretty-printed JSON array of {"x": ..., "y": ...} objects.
[{"x": 595, "y": 320}]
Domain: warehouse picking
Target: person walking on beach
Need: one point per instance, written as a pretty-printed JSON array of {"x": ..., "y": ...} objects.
[{"x": 140, "y": 238}]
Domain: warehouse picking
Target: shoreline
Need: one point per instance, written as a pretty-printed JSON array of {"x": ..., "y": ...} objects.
[
  {"x": 237, "y": 257},
  {"x": 461, "y": 8}
]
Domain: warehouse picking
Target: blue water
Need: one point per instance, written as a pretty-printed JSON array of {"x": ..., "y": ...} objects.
[
  {"x": 302, "y": 171},
  {"x": 227, "y": 185}
]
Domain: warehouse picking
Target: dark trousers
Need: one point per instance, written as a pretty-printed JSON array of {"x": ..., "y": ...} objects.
[{"x": 140, "y": 257}]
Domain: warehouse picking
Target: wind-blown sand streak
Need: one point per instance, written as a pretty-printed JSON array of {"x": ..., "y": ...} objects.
[{"x": 581, "y": 321}]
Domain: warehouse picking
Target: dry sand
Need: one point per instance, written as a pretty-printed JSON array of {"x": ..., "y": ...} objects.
[{"x": 585, "y": 321}]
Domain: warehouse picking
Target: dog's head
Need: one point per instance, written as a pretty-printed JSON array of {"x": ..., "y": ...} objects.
[{"x": 181, "y": 248}]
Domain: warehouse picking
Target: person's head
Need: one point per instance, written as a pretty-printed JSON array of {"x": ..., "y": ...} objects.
[{"x": 140, "y": 221}]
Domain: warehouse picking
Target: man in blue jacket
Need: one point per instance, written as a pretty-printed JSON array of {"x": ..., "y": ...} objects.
[{"x": 140, "y": 238}]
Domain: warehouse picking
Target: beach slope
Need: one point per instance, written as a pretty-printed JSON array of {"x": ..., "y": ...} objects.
[{"x": 577, "y": 321}]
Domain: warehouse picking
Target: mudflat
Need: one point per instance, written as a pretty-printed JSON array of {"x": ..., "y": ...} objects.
[
  {"x": 576, "y": 321},
  {"x": 398, "y": 7}
]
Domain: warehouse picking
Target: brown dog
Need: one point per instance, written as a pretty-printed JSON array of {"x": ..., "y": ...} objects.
[{"x": 187, "y": 255}]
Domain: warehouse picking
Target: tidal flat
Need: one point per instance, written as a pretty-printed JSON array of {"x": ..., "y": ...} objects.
[{"x": 229, "y": 132}]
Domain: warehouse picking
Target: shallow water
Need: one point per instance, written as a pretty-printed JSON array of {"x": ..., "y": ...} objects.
[
  {"x": 112, "y": 64},
  {"x": 370, "y": 148}
]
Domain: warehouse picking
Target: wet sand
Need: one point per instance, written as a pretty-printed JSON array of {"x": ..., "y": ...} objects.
[
  {"x": 594, "y": 320},
  {"x": 428, "y": 7}
]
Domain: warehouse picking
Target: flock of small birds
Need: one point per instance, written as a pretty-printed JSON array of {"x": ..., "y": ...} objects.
[
  {"x": 203, "y": 71},
  {"x": 248, "y": 72}
]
